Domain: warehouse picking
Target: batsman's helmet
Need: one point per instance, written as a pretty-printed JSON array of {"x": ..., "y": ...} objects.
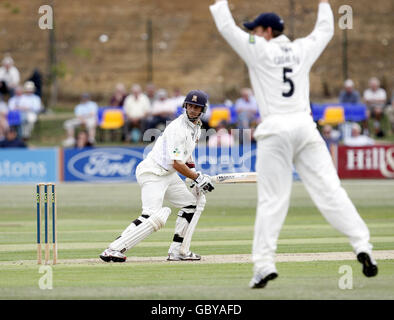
[{"x": 198, "y": 98}]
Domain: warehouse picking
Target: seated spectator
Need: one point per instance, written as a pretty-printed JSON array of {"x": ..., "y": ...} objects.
[
  {"x": 330, "y": 136},
  {"x": 177, "y": 98},
  {"x": 349, "y": 94},
  {"x": 222, "y": 138},
  {"x": 3, "y": 118},
  {"x": 357, "y": 139},
  {"x": 137, "y": 108},
  {"x": 36, "y": 78},
  {"x": 14, "y": 103},
  {"x": 246, "y": 108},
  {"x": 86, "y": 115},
  {"x": 163, "y": 110},
  {"x": 150, "y": 92},
  {"x": 11, "y": 139},
  {"x": 9, "y": 76},
  {"x": 30, "y": 106},
  {"x": 375, "y": 99},
  {"x": 390, "y": 113},
  {"x": 117, "y": 99},
  {"x": 247, "y": 115},
  {"x": 83, "y": 140}
]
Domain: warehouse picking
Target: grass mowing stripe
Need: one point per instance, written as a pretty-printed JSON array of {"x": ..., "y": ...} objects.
[
  {"x": 17, "y": 256},
  {"x": 297, "y": 280},
  {"x": 92, "y": 214},
  {"x": 234, "y": 258},
  {"x": 210, "y": 243},
  {"x": 385, "y": 225}
]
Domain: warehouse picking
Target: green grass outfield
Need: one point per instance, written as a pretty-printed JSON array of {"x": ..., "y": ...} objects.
[{"x": 92, "y": 215}]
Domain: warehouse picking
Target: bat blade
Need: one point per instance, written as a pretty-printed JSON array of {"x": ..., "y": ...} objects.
[{"x": 237, "y": 177}]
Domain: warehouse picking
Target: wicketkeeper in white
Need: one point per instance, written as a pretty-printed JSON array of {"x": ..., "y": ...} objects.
[
  {"x": 279, "y": 73},
  {"x": 159, "y": 180}
]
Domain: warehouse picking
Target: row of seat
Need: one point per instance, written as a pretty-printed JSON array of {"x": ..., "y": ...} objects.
[
  {"x": 335, "y": 114},
  {"x": 114, "y": 118}
]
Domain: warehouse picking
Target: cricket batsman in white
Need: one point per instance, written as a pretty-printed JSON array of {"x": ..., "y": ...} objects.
[
  {"x": 279, "y": 73},
  {"x": 159, "y": 180}
]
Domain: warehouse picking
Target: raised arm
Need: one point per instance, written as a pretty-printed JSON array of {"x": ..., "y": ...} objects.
[
  {"x": 321, "y": 35},
  {"x": 238, "y": 39}
]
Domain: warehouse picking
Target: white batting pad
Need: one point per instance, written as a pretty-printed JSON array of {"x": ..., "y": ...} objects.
[
  {"x": 185, "y": 246},
  {"x": 135, "y": 235}
]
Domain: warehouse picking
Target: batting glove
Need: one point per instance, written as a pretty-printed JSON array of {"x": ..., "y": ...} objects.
[{"x": 204, "y": 182}]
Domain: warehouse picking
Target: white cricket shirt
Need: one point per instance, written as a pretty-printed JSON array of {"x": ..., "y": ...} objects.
[
  {"x": 279, "y": 68},
  {"x": 176, "y": 143}
]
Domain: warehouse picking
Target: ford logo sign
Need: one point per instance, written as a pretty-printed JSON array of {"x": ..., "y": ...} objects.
[{"x": 117, "y": 164}]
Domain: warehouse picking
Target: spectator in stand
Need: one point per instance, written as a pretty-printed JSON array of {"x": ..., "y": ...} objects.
[
  {"x": 83, "y": 140},
  {"x": 86, "y": 116},
  {"x": 14, "y": 103},
  {"x": 331, "y": 137},
  {"x": 247, "y": 109},
  {"x": 390, "y": 113},
  {"x": 9, "y": 76},
  {"x": 3, "y": 118},
  {"x": 247, "y": 115},
  {"x": 349, "y": 94},
  {"x": 119, "y": 96},
  {"x": 137, "y": 108},
  {"x": 357, "y": 139},
  {"x": 177, "y": 98},
  {"x": 375, "y": 99},
  {"x": 30, "y": 106},
  {"x": 36, "y": 78},
  {"x": 150, "y": 92},
  {"x": 222, "y": 138},
  {"x": 11, "y": 140},
  {"x": 163, "y": 110}
]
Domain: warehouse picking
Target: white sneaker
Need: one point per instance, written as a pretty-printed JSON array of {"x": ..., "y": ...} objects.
[
  {"x": 176, "y": 256},
  {"x": 112, "y": 255}
]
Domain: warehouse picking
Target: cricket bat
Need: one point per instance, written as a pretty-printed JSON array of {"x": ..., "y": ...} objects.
[{"x": 237, "y": 177}]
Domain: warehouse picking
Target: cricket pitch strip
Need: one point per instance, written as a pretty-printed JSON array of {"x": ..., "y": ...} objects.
[{"x": 229, "y": 258}]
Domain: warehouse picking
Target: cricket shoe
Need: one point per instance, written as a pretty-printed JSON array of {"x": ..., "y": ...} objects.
[
  {"x": 258, "y": 282},
  {"x": 370, "y": 269},
  {"x": 112, "y": 255},
  {"x": 176, "y": 256}
]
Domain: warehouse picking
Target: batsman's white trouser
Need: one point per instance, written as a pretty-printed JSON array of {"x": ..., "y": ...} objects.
[
  {"x": 154, "y": 189},
  {"x": 288, "y": 139}
]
